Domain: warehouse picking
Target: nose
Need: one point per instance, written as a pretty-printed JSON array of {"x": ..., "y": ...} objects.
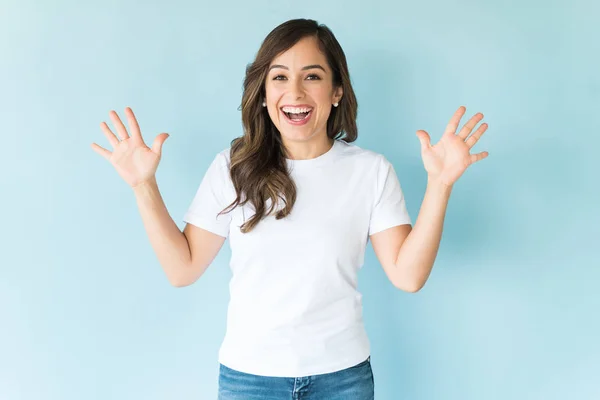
[{"x": 297, "y": 89}]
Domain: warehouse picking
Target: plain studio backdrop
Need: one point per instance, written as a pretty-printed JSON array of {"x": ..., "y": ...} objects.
[{"x": 511, "y": 310}]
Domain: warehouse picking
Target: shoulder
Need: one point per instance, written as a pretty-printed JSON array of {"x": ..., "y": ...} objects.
[
  {"x": 219, "y": 168},
  {"x": 223, "y": 158},
  {"x": 363, "y": 157}
]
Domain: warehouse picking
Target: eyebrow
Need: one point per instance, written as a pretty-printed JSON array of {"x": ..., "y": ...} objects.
[{"x": 313, "y": 66}]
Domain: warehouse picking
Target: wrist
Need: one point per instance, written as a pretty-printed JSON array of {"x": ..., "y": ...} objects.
[
  {"x": 438, "y": 185},
  {"x": 145, "y": 186}
]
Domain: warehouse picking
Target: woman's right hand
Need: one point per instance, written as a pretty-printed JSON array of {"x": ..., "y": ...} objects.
[{"x": 135, "y": 162}]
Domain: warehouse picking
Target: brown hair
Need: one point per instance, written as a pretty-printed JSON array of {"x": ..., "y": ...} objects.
[{"x": 258, "y": 167}]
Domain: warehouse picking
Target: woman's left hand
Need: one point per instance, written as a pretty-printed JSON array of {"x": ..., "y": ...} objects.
[{"x": 448, "y": 159}]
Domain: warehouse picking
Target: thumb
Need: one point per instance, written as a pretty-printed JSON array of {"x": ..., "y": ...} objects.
[
  {"x": 158, "y": 143},
  {"x": 424, "y": 139}
]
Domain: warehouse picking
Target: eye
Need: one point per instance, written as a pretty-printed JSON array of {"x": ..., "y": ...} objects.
[{"x": 311, "y": 77}]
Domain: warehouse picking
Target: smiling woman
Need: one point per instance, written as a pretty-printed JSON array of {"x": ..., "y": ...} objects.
[
  {"x": 299, "y": 202},
  {"x": 293, "y": 79},
  {"x": 297, "y": 100}
]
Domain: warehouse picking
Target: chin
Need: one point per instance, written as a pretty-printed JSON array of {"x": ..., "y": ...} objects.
[{"x": 297, "y": 136}]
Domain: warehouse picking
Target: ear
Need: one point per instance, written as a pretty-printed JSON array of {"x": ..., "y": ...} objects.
[{"x": 337, "y": 94}]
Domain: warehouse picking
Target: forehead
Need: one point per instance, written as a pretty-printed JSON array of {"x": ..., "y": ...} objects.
[{"x": 305, "y": 52}]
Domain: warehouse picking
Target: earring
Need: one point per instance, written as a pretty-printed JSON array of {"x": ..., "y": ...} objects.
[
  {"x": 335, "y": 104},
  {"x": 264, "y": 103}
]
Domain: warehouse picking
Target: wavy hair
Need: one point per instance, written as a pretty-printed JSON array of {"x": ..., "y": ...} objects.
[{"x": 258, "y": 166}]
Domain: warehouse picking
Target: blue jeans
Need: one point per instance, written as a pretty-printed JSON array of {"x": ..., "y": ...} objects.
[{"x": 354, "y": 383}]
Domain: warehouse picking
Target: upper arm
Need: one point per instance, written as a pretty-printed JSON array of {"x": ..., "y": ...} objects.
[
  {"x": 390, "y": 222},
  {"x": 204, "y": 247},
  {"x": 386, "y": 245},
  {"x": 206, "y": 227}
]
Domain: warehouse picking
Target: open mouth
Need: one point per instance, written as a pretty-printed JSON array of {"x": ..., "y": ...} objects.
[{"x": 297, "y": 116}]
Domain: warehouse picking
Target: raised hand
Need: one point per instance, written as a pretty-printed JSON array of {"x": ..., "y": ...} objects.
[
  {"x": 448, "y": 159},
  {"x": 135, "y": 162}
]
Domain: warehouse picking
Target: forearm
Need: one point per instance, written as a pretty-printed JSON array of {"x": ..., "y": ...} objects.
[
  {"x": 419, "y": 250},
  {"x": 167, "y": 240}
]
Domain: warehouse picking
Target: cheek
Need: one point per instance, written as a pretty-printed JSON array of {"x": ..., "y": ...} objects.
[
  {"x": 324, "y": 114},
  {"x": 272, "y": 97},
  {"x": 321, "y": 95},
  {"x": 273, "y": 91}
]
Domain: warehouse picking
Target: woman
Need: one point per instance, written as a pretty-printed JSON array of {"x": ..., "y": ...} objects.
[{"x": 298, "y": 202}]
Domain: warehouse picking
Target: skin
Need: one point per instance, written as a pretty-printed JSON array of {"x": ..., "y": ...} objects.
[
  {"x": 184, "y": 256},
  {"x": 294, "y": 79},
  {"x": 406, "y": 254}
]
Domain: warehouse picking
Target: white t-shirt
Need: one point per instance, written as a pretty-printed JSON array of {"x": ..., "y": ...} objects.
[{"x": 294, "y": 306}]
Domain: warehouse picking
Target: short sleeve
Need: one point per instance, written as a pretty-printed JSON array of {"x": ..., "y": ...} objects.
[
  {"x": 210, "y": 199},
  {"x": 389, "y": 208}
]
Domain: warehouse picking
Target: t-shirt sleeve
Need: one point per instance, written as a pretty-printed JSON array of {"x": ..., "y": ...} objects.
[
  {"x": 389, "y": 208},
  {"x": 210, "y": 199}
]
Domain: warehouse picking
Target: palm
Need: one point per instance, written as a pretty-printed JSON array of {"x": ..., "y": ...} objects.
[
  {"x": 448, "y": 159},
  {"x": 134, "y": 161}
]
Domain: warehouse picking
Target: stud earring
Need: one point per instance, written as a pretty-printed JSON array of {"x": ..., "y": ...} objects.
[
  {"x": 335, "y": 104},
  {"x": 264, "y": 103}
]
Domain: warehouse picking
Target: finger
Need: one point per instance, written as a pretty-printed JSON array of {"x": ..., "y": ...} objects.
[
  {"x": 475, "y": 137},
  {"x": 455, "y": 120},
  {"x": 424, "y": 139},
  {"x": 464, "y": 132},
  {"x": 158, "y": 142},
  {"x": 112, "y": 139},
  {"x": 118, "y": 125},
  {"x": 478, "y": 156},
  {"x": 134, "y": 127},
  {"x": 102, "y": 151}
]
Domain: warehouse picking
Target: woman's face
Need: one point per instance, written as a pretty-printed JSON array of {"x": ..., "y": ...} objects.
[{"x": 299, "y": 92}]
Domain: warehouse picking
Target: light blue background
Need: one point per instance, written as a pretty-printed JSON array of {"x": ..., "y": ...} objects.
[{"x": 511, "y": 310}]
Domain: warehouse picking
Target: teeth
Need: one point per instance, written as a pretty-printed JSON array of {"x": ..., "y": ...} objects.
[{"x": 295, "y": 110}]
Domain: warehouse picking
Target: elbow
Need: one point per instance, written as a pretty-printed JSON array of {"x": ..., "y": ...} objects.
[
  {"x": 180, "y": 275},
  {"x": 179, "y": 281},
  {"x": 186, "y": 275},
  {"x": 409, "y": 287},
  {"x": 178, "y": 284},
  {"x": 413, "y": 289}
]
